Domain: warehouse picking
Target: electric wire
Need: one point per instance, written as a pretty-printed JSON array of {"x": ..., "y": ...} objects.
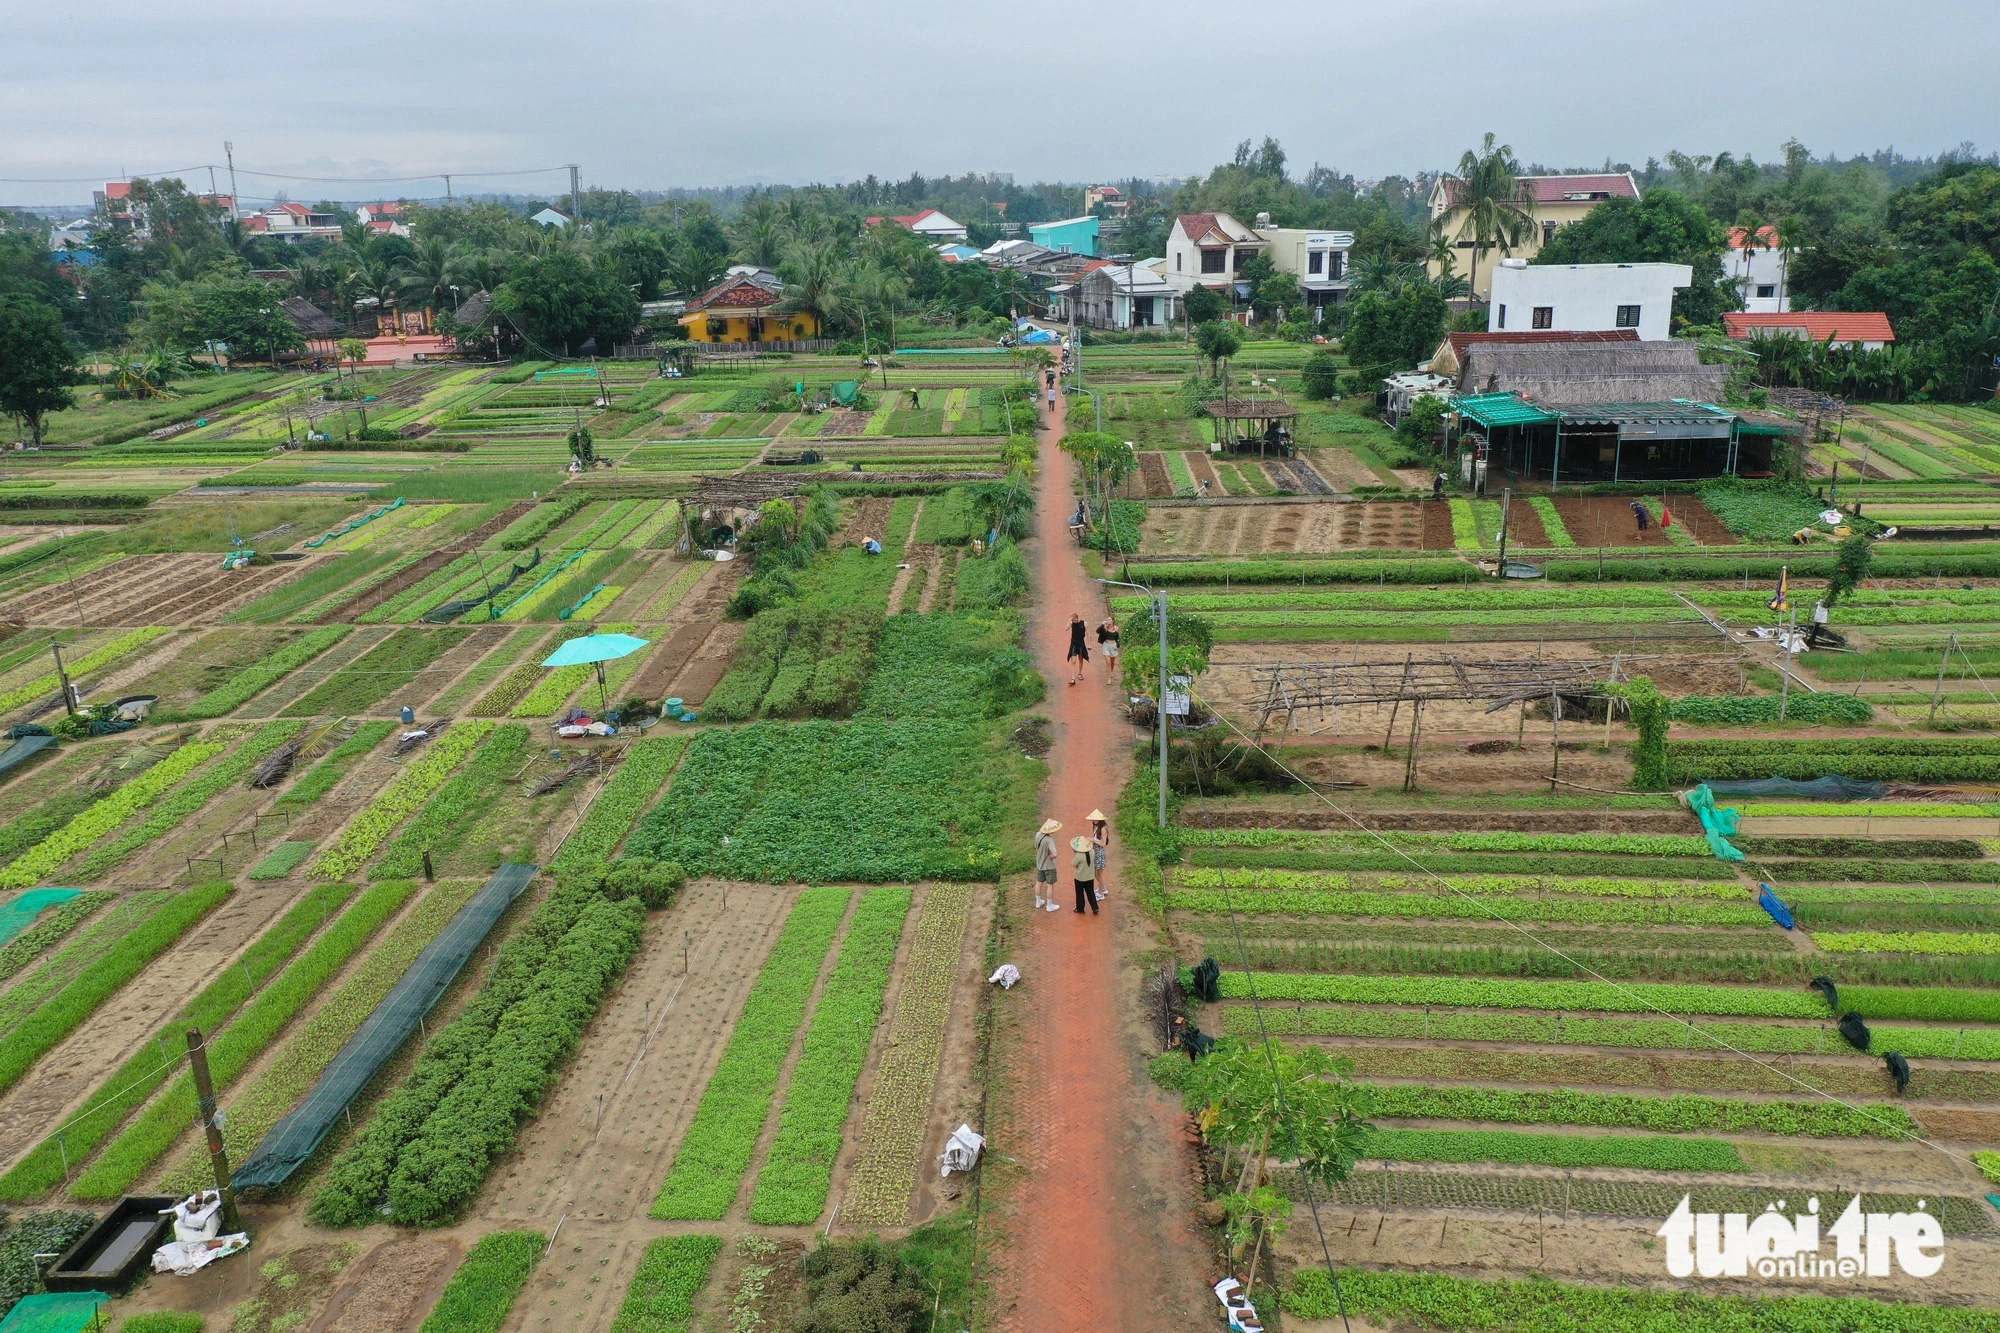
[{"x": 1894, "y": 1132}]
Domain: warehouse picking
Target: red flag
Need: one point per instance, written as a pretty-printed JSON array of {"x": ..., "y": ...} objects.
[{"x": 1666, "y": 517}]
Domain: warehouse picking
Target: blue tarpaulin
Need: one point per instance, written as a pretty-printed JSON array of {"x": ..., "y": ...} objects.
[{"x": 1771, "y": 903}]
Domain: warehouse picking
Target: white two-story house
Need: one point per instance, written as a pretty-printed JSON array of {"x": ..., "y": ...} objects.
[{"x": 1209, "y": 250}]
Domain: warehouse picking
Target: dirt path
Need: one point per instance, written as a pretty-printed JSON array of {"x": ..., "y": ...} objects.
[
  {"x": 58, "y": 1082},
  {"x": 1090, "y": 1185}
]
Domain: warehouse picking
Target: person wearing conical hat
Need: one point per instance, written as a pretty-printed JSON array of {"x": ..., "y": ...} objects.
[
  {"x": 1083, "y": 865},
  {"x": 1045, "y": 865},
  {"x": 1100, "y": 847}
]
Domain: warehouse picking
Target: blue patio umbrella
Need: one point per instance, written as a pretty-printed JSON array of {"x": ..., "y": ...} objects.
[{"x": 596, "y": 650}]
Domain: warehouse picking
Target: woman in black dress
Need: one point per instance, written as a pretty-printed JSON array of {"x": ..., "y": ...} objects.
[{"x": 1079, "y": 651}]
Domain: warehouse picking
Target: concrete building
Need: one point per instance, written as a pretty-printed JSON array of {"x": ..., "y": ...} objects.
[
  {"x": 1076, "y": 236},
  {"x": 1585, "y": 297},
  {"x": 292, "y": 223},
  {"x": 1759, "y": 267},
  {"x": 1551, "y": 202},
  {"x": 1209, "y": 250},
  {"x": 1318, "y": 259},
  {"x": 1125, "y": 296},
  {"x": 1869, "y": 330},
  {"x": 930, "y": 223}
]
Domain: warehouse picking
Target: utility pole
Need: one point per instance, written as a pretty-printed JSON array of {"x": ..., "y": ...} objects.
[
  {"x": 218, "y": 1155},
  {"x": 229, "y": 152},
  {"x": 447, "y": 187},
  {"x": 576, "y": 193},
  {"x": 69, "y": 697}
]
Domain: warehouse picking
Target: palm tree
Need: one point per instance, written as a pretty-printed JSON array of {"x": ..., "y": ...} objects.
[
  {"x": 480, "y": 270},
  {"x": 814, "y": 281},
  {"x": 759, "y": 234},
  {"x": 1444, "y": 253},
  {"x": 1496, "y": 211},
  {"x": 426, "y": 273},
  {"x": 1380, "y": 273}
]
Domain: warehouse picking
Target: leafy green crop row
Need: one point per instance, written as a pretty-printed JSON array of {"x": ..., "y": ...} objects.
[
  {"x": 1921, "y": 941},
  {"x": 253, "y": 680},
  {"x": 427, "y": 1150},
  {"x": 540, "y": 521},
  {"x": 792, "y": 1187},
  {"x": 484, "y": 1288},
  {"x": 187, "y": 799},
  {"x": 51, "y": 926},
  {"x": 1209, "y": 902},
  {"x": 231, "y": 1052},
  {"x": 135, "y": 1081},
  {"x": 113, "y": 810},
  {"x": 1475, "y": 863},
  {"x": 671, "y": 1274},
  {"x": 1744, "y": 710},
  {"x": 401, "y": 798},
  {"x": 68, "y": 962},
  {"x": 708, "y": 1170},
  {"x": 1672, "y": 1115},
  {"x": 1935, "y": 1004},
  {"x": 1628, "y": 844},
  {"x": 282, "y": 861},
  {"x": 1643, "y": 1153},
  {"x": 645, "y": 770},
  {"x": 1582, "y": 1029},
  {"x": 1885, "y": 760},
  {"x": 387, "y": 667},
  {"x": 1602, "y": 886},
  {"x": 79, "y": 667},
  {"x": 1538, "y": 1305},
  {"x": 321, "y": 778},
  {"x": 447, "y": 815},
  {"x": 63, "y": 1012}
]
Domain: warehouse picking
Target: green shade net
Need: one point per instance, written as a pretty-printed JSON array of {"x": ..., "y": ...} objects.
[
  {"x": 55, "y": 1312},
  {"x": 1718, "y": 824},
  {"x": 18, "y": 915}
]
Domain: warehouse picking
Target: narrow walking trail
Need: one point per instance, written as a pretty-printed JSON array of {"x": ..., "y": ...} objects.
[{"x": 1093, "y": 1217}]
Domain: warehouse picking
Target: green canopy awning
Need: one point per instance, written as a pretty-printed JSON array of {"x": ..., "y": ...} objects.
[{"x": 1493, "y": 410}]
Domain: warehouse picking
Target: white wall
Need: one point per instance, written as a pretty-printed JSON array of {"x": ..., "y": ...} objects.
[
  {"x": 1585, "y": 297},
  {"x": 1763, "y": 267}
]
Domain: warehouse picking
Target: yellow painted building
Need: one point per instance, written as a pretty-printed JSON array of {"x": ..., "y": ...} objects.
[
  {"x": 1553, "y": 202},
  {"x": 742, "y": 310}
]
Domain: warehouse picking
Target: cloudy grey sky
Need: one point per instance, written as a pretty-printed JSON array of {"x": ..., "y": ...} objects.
[{"x": 666, "y": 93}]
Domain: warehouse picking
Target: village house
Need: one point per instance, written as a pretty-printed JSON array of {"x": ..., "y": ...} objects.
[
  {"x": 549, "y": 217},
  {"x": 1585, "y": 297},
  {"x": 1076, "y": 236},
  {"x": 745, "y": 308},
  {"x": 930, "y": 223},
  {"x": 1758, "y": 266},
  {"x": 383, "y": 219},
  {"x": 1552, "y": 203},
  {"x": 1318, "y": 259},
  {"x": 1124, "y": 296},
  {"x": 1869, "y": 330},
  {"x": 1209, "y": 250},
  {"x": 292, "y": 223}
]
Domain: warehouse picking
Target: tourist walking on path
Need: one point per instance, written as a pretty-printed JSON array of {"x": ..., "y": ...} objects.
[
  {"x": 1100, "y": 848},
  {"x": 1045, "y": 865},
  {"x": 1079, "y": 651},
  {"x": 1107, "y": 643},
  {"x": 1084, "y": 862}
]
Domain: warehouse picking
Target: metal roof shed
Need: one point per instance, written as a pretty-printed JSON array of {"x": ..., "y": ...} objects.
[{"x": 1493, "y": 410}]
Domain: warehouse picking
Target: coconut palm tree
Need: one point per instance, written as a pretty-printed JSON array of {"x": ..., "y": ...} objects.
[
  {"x": 1496, "y": 211},
  {"x": 1444, "y": 252},
  {"x": 426, "y": 273},
  {"x": 759, "y": 234},
  {"x": 814, "y": 280}
]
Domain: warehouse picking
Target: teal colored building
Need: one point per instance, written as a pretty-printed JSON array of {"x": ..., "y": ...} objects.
[{"x": 1075, "y": 236}]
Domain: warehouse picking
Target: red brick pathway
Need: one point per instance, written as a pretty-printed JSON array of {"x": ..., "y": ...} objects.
[{"x": 1094, "y": 1223}]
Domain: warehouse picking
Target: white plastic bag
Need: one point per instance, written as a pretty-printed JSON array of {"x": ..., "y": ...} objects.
[
  {"x": 1007, "y": 974},
  {"x": 961, "y": 1150}
]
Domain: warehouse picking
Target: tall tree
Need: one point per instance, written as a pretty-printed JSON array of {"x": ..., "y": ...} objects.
[
  {"x": 1665, "y": 227},
  {"x": 37, "y": 365},
  {"x": 563, "y": 300},
  {"x": 1496, "y": 211}
]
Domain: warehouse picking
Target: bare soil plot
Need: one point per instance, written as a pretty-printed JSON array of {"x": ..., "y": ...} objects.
[
  {"x": 1246, "y": 529},
  {"x": 709, "y": 664},
  {"x": 53, "y": 1089},
  {"x": 1155, "y": 482},
  {"x": 391, "y": 1287},
  {"x": 1607, "y": 520},
  {"x": 174, "y": 589}
]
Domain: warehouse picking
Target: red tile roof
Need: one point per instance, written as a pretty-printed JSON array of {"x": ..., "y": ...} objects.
[
  {"x": 734, "y": 293},
  {"x": 1555, "y": 189},
  {"x": 1461, "y": 341},
  {"x": 1767, "y": 237},
  {"x": 117, "y": 189},
  {"x": 1840, "y": 325},
  {"x": 1198, "y": 225}
]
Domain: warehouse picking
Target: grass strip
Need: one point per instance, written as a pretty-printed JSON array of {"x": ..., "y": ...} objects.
[
  {"x": 1942, "y": 1043},
  {"x": 484, "y": 1288},
  {"x": 792, "y": 1187},
  {"x": 647, "y": 766},
  {"x": 69, "y": 1007},
  {"x": 1619, "y": 1110},
  {"x": 321, "y": 778},
  {"x": 1540, "y": 1305},
  {"x": 1639, "y": 1152},
  {"x": 307, "y": 1052},
  {"x": 448, "y": 814},
  {"x": 708, "y": 1170},
  {"x": 230, "y": 1053},
  {"x": 187, "y": 799},
  {"x": 251, "y": 681},
  {"x": 671, "y": 1274},
  {"x": 51, "y": 926},
  {"x": 396, "y": 802},
  {"x": 119, "y": 647},
  {"x": 106, "y": 815},
  {"x": 137, "y": 1079},
  {"x": 891, "y": 1137}
]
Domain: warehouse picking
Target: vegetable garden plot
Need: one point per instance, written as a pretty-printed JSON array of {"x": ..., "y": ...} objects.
[
  {"x": 387, "y": 667},
  {"x": 291, "y": 1143}
]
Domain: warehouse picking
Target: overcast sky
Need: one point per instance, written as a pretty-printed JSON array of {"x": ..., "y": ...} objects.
[{"x": 661, "y": 94}]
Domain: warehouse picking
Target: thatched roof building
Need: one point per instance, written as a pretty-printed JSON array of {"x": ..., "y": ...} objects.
[{"x": 1560, "y": 374}]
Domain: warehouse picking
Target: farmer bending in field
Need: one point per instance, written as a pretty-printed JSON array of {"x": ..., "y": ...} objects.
[{"x": 1640, "y": 516}]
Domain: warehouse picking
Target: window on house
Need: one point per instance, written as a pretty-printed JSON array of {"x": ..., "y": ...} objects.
[
  {"x": 1767, "y": 289},
  {"x": 1548, "y": 232},
  {"x": 1503, "y": 318},
  {"x": 1336, "y": 264},
  {"x": 1244, "y": 257},
  {"x": 1316, "y": 262},
  {"x": 1545, "y": 316},
  {"x": 1628, "y": 317},
  {"x": 1177, "y": 261},
  {"x": 1214, "y": 261}
]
